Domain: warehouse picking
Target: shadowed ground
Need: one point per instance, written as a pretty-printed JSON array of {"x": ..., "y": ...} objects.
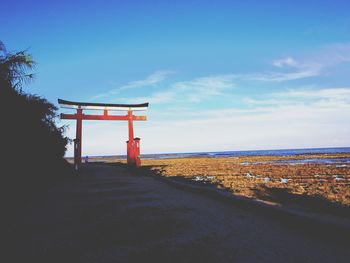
[{"x": 108, "y": 214}]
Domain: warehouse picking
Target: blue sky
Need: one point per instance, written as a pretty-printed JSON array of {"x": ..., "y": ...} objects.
[{"x": 219, "y": 75}]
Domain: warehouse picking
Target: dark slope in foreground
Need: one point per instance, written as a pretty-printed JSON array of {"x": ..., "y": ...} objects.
[{"x": 108, "y": 214}]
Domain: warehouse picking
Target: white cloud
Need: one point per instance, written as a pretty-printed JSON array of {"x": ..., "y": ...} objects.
[
  {"x": 283, "y": 127},
  {"x": 288, "y": 61}
]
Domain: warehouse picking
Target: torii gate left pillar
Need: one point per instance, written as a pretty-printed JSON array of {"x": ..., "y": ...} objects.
[
  {"x": 133, "y": 144},
  {"x": 78, "y": 139}
]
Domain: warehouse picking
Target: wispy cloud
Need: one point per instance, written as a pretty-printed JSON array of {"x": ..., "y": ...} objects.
[
  {"x": 155, "y": 98},
  {"x": 281, "y": 77},
  {"x": 290, "y": 62},
  {"x": 316, "y": 99},
  {"x": 329, "y": 93},
  {"x": 208, "y": 87},
  {"x": 204, "y": 88},
  {"x": 313, "y": 64},
  {"x": 151, "y": 80},
  {"x": 195, "y": 90},
  {"x": 329, "y": 97},
  {"x": 333, "y": 54}
]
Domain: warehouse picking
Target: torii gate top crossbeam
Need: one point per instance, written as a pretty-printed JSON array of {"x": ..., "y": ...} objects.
[{"x": 102, "y": 106}]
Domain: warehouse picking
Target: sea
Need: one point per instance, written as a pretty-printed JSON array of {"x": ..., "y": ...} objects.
[{"x": 282, "y": 152}]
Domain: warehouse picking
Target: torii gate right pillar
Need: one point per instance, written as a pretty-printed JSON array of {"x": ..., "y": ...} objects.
[{"x": 133, "y": 144}]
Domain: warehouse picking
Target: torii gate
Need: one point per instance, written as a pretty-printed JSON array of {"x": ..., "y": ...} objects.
[{"x": 133, "y": 144}]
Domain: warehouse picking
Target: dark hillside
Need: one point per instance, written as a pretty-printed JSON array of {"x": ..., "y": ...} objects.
[{"x": 32, "y": 145}]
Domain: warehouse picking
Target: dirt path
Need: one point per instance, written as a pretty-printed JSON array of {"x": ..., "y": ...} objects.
[{"x": 110, "y": 215}]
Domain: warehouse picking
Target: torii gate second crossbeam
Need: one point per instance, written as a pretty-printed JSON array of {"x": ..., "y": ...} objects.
[{"x": 133, "y": 144}]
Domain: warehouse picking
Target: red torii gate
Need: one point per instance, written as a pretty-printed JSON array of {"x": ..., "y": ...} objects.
[{"x": 133, "y": 144}]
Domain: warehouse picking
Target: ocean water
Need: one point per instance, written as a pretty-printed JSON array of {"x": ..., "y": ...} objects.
[{"x": 283, "y": 152}]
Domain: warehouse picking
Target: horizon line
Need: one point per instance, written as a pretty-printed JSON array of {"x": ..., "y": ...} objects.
[{"x": 257, "y": 150}]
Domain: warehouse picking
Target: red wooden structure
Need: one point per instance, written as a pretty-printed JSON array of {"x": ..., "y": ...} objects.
[{"x": 133, "y": 144}]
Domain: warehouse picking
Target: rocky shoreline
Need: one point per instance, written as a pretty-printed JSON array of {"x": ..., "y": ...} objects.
[{"x": 266, "y": 177}]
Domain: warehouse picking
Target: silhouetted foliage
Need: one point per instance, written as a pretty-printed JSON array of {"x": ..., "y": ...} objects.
[{"x": 32, "y": 145}]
